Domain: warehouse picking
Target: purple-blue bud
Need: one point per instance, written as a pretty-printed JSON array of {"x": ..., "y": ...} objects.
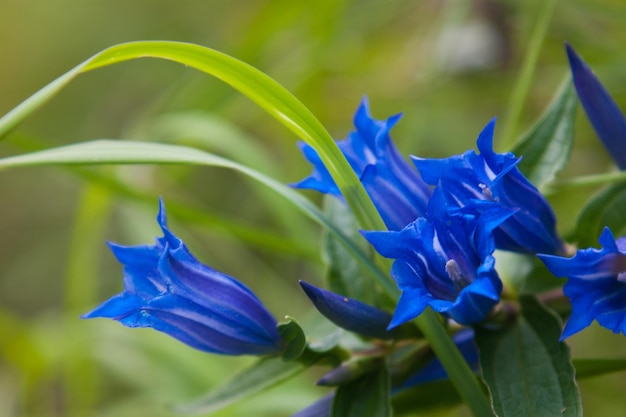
[
  {"x": 605, "y": 116},
  {"x": 350, "y": 314}
]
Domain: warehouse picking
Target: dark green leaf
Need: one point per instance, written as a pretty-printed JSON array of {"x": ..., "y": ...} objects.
[
  {"x": 367, "y": 396},
  {"x": 606, "y": 209},
  {"x": 344, "y": 273},
  {"x": 261, "y": 376},
  {"x": 525, "y": 274},
  {"x": 433, "y": 396},
  {"x": 293, "y": 335},
  {"x": 527, "y": 370},
  {"x": 587, "y": 368},
  {"x": 546, "y": 146}
]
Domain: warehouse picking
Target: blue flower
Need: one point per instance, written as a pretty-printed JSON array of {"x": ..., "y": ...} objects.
[
  {"x": 596, "y": 284},
  {"x": 445, "y": 261},
  {"x": 605, "y": 116},
  {"x": 392, "y": 183},
  {"x": 495, "y": 178},
  {"x": 167, "y": 289}
]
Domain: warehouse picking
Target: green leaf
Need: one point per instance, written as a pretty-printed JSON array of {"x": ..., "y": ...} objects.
[
  {"x": 128, "y": 152},
  {"x": 606, "y": 209},
  {"x": 215, "y": 134},
  {"x": 256, "y": 85},
  {"x": 546, "y": 146},
  {"x": 523, "y": 83},
  {"x": 261, "y": 376},
  {"x": 459, "y": 371},
  {"x": 343, "y": 272},
  {"x": 525, "y": 274},
  {"x": 367, "y": 396},
  {"x": 527, "y": 370},
  {"x": 294, "y": 336},
  {"x": 587, "y": 368},
  {"x": 439, "y": 395}
]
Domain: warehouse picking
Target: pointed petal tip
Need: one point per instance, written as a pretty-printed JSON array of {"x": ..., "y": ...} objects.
[
  {"x": 310, "y": 290},
  {"x": 576, "y": 63},
  {"x": 161, "y": 216}
]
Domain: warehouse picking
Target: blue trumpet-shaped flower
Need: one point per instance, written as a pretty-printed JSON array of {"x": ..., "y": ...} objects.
[
  {"x": 596, "y": 284},
  {"x": 605, "y": 116},
  {"x": 167, "y": 289},
  {"x": 392, "y": 183},
  {"x": 445, "y": 261},
  {"x": 495, "y": 178}
]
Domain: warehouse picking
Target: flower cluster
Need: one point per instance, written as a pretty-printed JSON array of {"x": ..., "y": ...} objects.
[
  {"x": 465, "y": 207},
  {"x": 445, "y": 218}
]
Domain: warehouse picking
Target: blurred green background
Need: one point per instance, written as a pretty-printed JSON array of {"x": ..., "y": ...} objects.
[{"x": 449, "y": 66}]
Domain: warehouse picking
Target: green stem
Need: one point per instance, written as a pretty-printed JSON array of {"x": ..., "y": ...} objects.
[
  {"x": 455, "y": 365},
  {"x": 81, "y": 379},
  {"x": 524, "y": 80},
  {"x": 588, "y": 180}
]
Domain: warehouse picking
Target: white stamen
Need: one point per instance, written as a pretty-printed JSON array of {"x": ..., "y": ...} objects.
[
  {"x": 486, "y": 191},
  {"x": 455, "y": 274}
]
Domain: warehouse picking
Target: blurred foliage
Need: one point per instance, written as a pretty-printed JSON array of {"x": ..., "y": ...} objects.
[{"x": 449, "y": 66}]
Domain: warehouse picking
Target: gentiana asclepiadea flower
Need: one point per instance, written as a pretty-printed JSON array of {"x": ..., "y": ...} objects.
[
  {"x": 596, "y": 284},
  {"x": 605, "y": 116},
  {"x": 495, "y": 178},
  {"x": 168, "y": 289},
  {"x": 445, "y": 261},
  {"x": 392, "y": 183}
]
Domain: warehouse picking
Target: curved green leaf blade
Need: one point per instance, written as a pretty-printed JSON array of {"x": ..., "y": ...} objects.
[
  {"x": 261, "y": 376},
  {"x": 606, "y": 209},
  {"x": 342, "y": 270},
  {"x": 294, "y": 336},
  {"x": 256, "y": 85},
  {"x": 587, "y": 368},
  {"x": 128, "y": 152},
  {"x": 215, "y": 134},
  {"x": 546, "y": 146},
  {"x": 527, "y": 370}
]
